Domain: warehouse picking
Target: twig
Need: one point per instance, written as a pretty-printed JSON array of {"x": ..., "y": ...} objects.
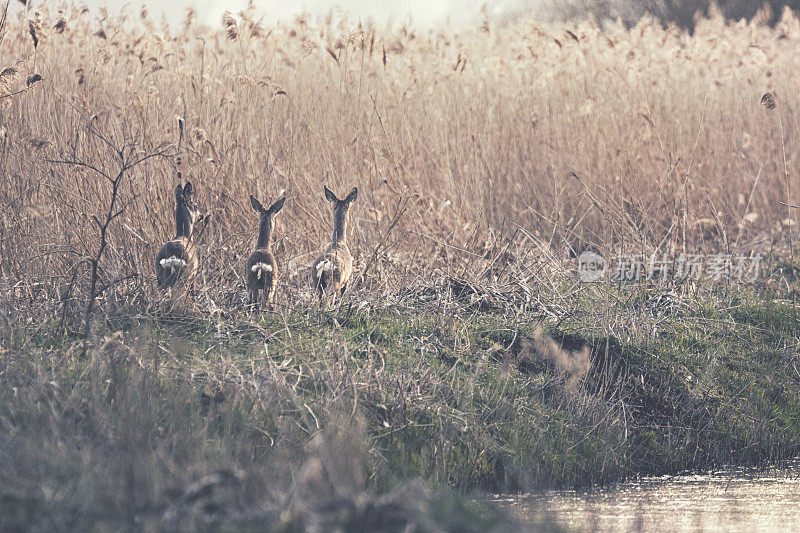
[
  {"x": 399, "y": 211},
  {"x": 9, "y": 95},
  {"x": 3, "y": 21},
  {"x": 124, "y": 156},
  {"x": 116, "y": 282}
]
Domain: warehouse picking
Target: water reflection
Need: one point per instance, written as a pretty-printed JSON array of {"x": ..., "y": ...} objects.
[{"x": 730, "y": 500}]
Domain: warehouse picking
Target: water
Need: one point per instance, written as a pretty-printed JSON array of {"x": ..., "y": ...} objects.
[{"x": 732, "y": 500}]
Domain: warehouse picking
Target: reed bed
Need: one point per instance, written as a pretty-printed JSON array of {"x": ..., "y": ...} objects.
[
  {"x": 564, "y": 137},
  {"x": 466, "y": 352}
]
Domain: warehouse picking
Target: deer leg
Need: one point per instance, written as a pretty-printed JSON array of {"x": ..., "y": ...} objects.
[
  {"x": 252, "y": 301},
  {"x": 318, "y": 289}
]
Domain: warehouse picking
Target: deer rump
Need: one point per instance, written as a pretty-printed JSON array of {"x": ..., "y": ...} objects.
[
  {"x": 262, "y": 271},
  {"x": 327, "y": 272},
  {"x": 171, "y": 263}
]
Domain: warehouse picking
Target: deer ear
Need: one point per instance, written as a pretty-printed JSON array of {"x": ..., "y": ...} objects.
[
  {"x": 352, "y": 196},
  {"x": 178, "y": 192},
  {"x": 330, "y": 196},
  {"x": 187, "y": 191},
  {"x": 277, "y": 206},
  {"x": 256, "y": 204}
]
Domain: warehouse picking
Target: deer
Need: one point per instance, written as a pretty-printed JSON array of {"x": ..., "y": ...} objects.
[
  {"x": 331, "y": 271},
  {"x": 178, "y": 258},
  {"x": 261, "y": 271}
]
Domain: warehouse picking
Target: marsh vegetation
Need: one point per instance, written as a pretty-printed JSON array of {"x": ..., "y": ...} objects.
[{"x": 465, "y": 353}]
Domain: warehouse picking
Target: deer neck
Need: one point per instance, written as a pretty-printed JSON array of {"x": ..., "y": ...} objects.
[
  {"x": 339, "y": 228},
  {"x": 264, "y": 233},
  {"x": 183, "y": 222}
]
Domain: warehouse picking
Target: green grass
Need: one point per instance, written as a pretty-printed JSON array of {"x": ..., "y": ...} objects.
[{"x": 459, "y": 399}]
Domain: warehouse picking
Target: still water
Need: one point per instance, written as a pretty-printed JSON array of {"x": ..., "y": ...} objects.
[{"x": 730, "y": 500}]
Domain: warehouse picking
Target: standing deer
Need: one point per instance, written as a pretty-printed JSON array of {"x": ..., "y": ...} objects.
[
  {"x": 262, "y": 270},
  {"x": 331, "y": 271},
  {"x": 178, "y": 258}
]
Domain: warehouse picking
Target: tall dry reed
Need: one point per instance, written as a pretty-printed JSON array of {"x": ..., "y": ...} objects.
[{"x": 475, "y": 148}]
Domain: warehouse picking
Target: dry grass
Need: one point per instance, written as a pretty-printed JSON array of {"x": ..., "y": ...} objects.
[
  {"x": 469, "y": 135},
  {"x": 485, "y": 159}
]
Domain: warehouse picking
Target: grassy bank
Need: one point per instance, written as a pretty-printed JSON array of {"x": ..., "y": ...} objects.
[
  {"x": 466, "y": 356},
  {"x": 300, "y": 414}
]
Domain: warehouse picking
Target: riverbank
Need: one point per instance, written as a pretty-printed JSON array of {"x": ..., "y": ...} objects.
[{"x": 460, "y": 386}]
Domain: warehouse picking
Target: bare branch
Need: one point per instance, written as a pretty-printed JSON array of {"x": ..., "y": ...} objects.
[
  {"x": 3, "y": 21},
  {"x": 117, "y": 281},
  {"x": 124, "y": 154},
  {"x": 77, "y": 163},
  {"x": 9, "y": 95}
]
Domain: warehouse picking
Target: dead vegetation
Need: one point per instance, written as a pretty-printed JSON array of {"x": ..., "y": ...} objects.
[
  {"x": 544, "y": 141},
  {"x": 486, "y": 159}
]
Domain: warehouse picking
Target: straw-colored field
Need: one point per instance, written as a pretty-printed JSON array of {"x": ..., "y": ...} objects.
[
  {"x": 473, "y": 133},
  {"x": 466, "y": 353}
]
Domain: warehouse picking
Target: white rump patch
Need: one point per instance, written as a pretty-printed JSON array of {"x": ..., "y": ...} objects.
[
  {"x": 324, "y": 266},
  {"x": 260, "y": 268},
  {"x": 172, "y": 263}
]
